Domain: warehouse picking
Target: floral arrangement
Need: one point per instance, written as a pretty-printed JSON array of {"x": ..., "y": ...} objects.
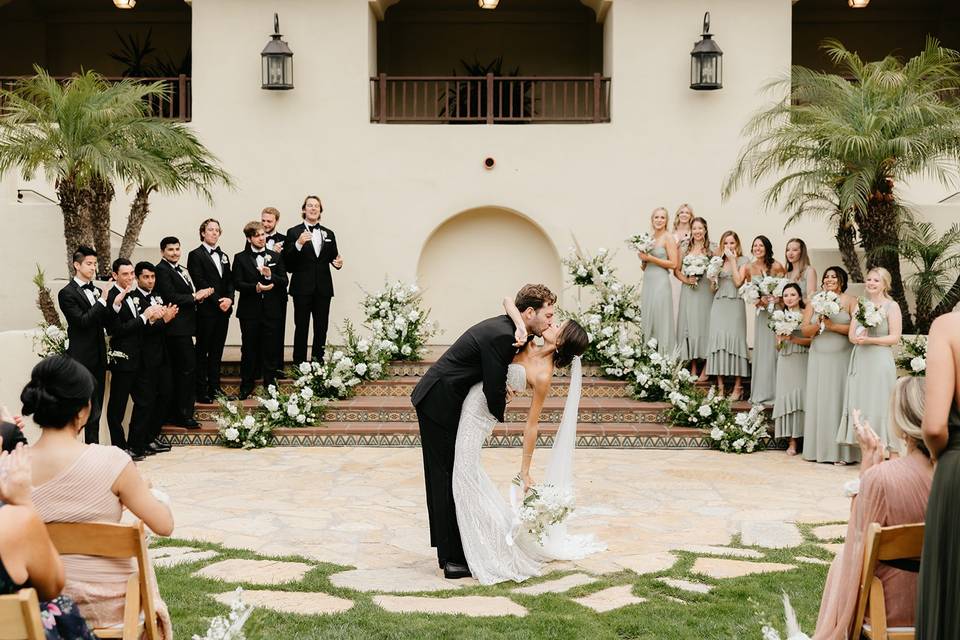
[
  {"x": 50, "y": 340},
  {"x": 656, "y": 376},
  {"x": 714, "y": 268},
  {"x": 825, "y": 304},
  {"x": 394, "y": 314},
  {"x": 694, "y": 266},
  {"x": 296, "y": 409},
  {"x": 343, "y": 368},
  {"x": 784, "y": 322},
  {"x": 231, "y": 626},
  {"x": 241, "y": 429},
  {"x": 868, "y": 314},
  {"x": 543, "y": 505},
  {"x": 586, "y": 270},
  {"x": 699, "y": 410},
  {"x": 771, "y": 287},
  {"x": 913, "y": 356},
  {"x": 743, "y": 433},
  {"x": 749, "y": 292},
  {"x": 642, "y": 242}
]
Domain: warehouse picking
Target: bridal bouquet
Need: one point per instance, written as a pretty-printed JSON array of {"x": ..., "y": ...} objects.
[
  {"x": 543, "y": 505},
  {"x": 784, "y": 322},
  {"x": 913, "y": 357},
  {"x": 750, "y": 292},
  {"x": 694, "y": 266},
  {"x": 241, "y": 429},
  {"x": 869, "y": 315},
  {"x": 772, "y": 287},
  {"x": 642, "y": 242},
  {"x": 714, "y": 268}
]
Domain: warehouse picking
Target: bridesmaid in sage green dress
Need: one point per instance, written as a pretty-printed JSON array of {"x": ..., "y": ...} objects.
[
  {"x": 763, "y": 382},
  {"x": 656, "y": 298},
  {"x": 791, "y": 375},
  {"x": 827, "y": 375},
  {"x": 872, "y": 371},
  {"x": 696, "y": 299},
  {"x": 798, "y": 266},
  {"x": 727, "y": 351}
]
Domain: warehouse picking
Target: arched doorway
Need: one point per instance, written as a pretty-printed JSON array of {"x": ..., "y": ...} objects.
[{"x": 475, "y": 258}]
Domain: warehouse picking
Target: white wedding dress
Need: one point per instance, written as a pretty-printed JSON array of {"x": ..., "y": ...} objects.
[{"x": 495, "y": 549}]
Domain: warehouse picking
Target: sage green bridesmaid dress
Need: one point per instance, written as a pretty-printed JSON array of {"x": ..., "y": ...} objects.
[
  {"x": 763, "y": 383},
  {"x": 788, "y": 403},
  {"x": 826, "y": 382},
  {"x": 871, "y": 375},
  {"x": 656, "y": 305},
  {"x": 727, "y": 346},
  {"x": 693, "y": 319}
]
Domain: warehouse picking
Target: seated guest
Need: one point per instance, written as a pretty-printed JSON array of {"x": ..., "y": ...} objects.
[
  {"x": 27, "y": 556},
  {"x": 891, "y": 493},
  {"x": 77, "y": 482}
]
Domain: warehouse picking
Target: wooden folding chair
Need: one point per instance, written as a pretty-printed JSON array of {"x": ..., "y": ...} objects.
[
  {"x": 20, "y": 616},
  {"x": 900, "y": 547},
  {"x": 114, "y": 541}
]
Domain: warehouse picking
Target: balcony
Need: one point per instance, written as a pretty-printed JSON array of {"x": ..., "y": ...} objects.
[
  {"x": 174, "y": 105},
  {"x": 489, "y": 99}
]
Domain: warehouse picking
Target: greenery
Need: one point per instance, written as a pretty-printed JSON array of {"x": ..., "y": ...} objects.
[
  {"x": 936, "y": 266},
  {"x": 735, "y": 608},
  {"x": 510, "y": 99},
  {"x": 398, "y": 320},
  {"x": 837, "y": 146}
]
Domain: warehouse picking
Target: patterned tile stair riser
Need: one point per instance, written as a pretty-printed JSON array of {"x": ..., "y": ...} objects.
[{"x": 231, "y": 368}]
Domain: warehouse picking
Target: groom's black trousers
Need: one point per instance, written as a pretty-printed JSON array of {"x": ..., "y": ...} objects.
[{"x": 439, "y": 443}]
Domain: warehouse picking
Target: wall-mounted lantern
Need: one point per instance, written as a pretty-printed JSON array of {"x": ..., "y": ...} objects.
[
  {"x": 706, "y": 61},
  {"x": 858, "y": 4},
  {"x": 277, "y": 61},
  {"x": 124, "y": 4},
  {"x": 488, "y": 4}
]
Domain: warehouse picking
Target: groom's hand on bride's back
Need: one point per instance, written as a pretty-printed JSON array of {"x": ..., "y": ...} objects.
[{"x": 511, "y": 394}]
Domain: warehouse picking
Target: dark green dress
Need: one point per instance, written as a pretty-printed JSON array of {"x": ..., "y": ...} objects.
[{"x": 938, "y": 590}]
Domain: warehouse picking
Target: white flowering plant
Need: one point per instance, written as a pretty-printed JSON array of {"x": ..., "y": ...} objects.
[
  {"x": 656, "y": 376},
  {"x": 229, "y": 627},
  {"x": 784, "y": 322},
  {"x": 913, "y": 356},
  {"x": 868, "y": 314},
  {"x": 301, "y": 407},
  {"x": 743, "y": 433},
  {"x": 642, "y": 242},
  {"x": 714, "y": 268},
  {"x": 50, "y": 340},
  {"x": 241, "y": 429},
  {"x": 586, "y": 270},
  {"x": 343, "y": 368},
  {"x": 543, "y": 505},
  {"x": 694, "y": 266},
  {"x": 699, "y": 410},
  {"x": 395, "y": 314}
]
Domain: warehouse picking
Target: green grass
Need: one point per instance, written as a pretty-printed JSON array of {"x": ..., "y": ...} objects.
[{"x": 735, "y": 608}]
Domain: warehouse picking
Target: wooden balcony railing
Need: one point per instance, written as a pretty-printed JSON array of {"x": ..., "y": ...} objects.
[
  {"x": 489, "y": 99},
  {"x": 174, "y": 105}
]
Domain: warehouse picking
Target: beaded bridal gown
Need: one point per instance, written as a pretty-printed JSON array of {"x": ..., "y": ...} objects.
[{"x": 495, "y": 548}]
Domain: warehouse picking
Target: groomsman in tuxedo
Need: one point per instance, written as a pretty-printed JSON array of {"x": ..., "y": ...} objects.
[
  {"x": 154, "y": 372},
  {"x": 270, "y": 217},
  {"x": 308, "y": 252},
  {"x": 125, "y": 326},
  {"x": 260, "y": 279},
  {"x": 209, "y": 267},
  {"x": 85, "y": 308},
  {"x": 175, "y": 287}
]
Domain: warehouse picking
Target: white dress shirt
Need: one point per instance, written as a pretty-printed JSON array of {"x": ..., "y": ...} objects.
[
  {"x": 92, "y": 296},
  {"x": 130, "y": 304},
  {"x": 215, "y": 257}
]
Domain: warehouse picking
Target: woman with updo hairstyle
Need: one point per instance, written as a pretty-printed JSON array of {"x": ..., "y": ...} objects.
[
  {"x": 78, "y": 482},
  {"x": 890, "y": 493}
]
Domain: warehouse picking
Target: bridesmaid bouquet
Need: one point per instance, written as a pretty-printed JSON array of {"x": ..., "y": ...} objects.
[
  {"x": 715, "y": 267},
  {"x": 695, "y": 266},
  {"x": 825, "y": 304},
  {"x": 784, "y": 322},
  {"x": 642, "y": 242},
  {"x": 772, "y": 286},
  {"x": 543, "y": 505},
  {"x": 750, "y": 292},
  {"x": 869, "y": 315}
]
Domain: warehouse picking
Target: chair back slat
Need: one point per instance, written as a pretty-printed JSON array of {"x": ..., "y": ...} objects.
[
  {"x": 102, "y": 539},
  {"x": 20, "y": 616},
  {"x": 900, "y": 542}
]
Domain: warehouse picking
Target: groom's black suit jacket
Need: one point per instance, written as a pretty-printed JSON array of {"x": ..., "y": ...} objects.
[{"x": 479, "y": 355}]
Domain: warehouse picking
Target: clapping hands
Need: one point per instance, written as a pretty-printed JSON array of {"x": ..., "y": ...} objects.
[
  {"x": 871, "y": 449},
  {"x": 15, "y": 477}
]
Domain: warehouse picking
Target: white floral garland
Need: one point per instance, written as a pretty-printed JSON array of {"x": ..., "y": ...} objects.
[{"x": 395, "y": 316}]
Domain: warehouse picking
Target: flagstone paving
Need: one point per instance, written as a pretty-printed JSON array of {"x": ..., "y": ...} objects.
[
  {"x": 806, "y": 560},
  {"x": 830, "y": 531},
  {"x": 363, "y": 507},
  {"x": 723, "y": 568},
  {"x": 255, "y": 571},
  {"x": 610, "y": 599},
  {"x": 832, "y": 548},
  {"x": 183, "y": 558},
  {"x": 559, "y": 585},
  {"x": 709, "y": 550},
  {"x": 686, "y": 585},
  {"x": 303, "y": 603},
  {"x": 472, "y": 606}
]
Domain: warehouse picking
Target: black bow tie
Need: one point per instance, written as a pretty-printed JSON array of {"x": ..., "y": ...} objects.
[
  {"x": 312, "y": 227},
  {"x": 259, "y": 253},
  {"x": 89, "y": 287},
  {"x": 214, "y": 250}
]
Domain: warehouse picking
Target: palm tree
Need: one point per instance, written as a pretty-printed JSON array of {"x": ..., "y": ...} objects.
[
  {"x": 80, "y": 135},
  {"x": 935, "y": 261},
  {"x": 854, "y": 137},
  {"x": 192, "y": 167}
]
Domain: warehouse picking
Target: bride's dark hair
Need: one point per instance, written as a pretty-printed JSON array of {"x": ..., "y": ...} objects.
[{"x": 572, "y": 341}]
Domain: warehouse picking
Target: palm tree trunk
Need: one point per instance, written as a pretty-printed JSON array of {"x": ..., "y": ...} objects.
[
  {"x": 139, "y": 209},
  {"x": 76, "y": 227},
  {"x": 846, "y": 242},
  {"x": 99, "y": 196},
  {"x": 879, "y": 232}
]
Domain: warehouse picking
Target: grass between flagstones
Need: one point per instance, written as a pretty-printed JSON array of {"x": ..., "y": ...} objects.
[{"x": 735, "y": 608}]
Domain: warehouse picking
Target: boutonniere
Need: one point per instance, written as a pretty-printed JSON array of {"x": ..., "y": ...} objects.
[
  {"x": 136, "y": 302},
  {"x": 96, "y": 292},
  {"x": 223, "y": 259}
]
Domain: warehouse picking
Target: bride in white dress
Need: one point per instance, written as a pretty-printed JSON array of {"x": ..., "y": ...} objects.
[{"x": 495, "y": 550}]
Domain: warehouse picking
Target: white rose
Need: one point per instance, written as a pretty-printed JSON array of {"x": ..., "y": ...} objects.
[
  {"x": 248, "y": 422},
  {"x": 406, "y": 350},
  {"x": 581, "y": 271},
  {"x": 306, "y": 393},
  {"x": 413, "y": 316},
  {"x": 918, "y": 364},
  {"x": 361, "y": 368},
  {"x": 293, "y": 410},
  {"x": 716, "y": 433},
  {"x": 391, "y": 333},
  {"x": 375, "y": 368},
  {"x": 304, "y": 367},
  {"x": 231, "y": 408},
  {"x": 272, "y": 405},
  {"x": 363, "y": 346},
  {"x": 301, "y": 418},
  {"x": 336, "y": 355},
  {"x": 336, "y": 382},
  {"x": 231, "y": 434},
  {"x": 652, "y": 343},
  {"x": 705, "y": 411}
]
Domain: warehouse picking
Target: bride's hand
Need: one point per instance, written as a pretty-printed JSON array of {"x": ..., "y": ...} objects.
[
  {"x": 527, "y": 482},
  {"x": 521, "y": 336}
]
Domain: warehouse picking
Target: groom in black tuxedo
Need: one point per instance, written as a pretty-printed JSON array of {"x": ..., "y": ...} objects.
[
  {"x": 85, "y": 308},
  {"x": 479, "y": 355},
  {"x": 308, "y": 252}
]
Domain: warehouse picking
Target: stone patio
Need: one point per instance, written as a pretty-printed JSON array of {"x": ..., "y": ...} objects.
[{"x": 364, "y": 507}]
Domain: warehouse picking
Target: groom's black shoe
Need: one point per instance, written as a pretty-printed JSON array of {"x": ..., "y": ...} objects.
[{"x": 454, "y": 571}]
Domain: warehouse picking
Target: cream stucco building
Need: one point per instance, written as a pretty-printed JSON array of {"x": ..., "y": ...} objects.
[{"x": 415, "y": 201}]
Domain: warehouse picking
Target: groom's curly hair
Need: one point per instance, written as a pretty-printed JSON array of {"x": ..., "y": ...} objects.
[{"x": 534, "y": 296}]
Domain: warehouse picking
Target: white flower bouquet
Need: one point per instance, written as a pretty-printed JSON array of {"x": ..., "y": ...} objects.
[
  {"x": 750, "y": 292},
  {"x": 543, "y": 505},
  {"x": 869, "y": 315},
  {"x": 714, "y": 268},
  {"x": 241, "y": 429},
  {"x": 743, "y": 433},
  {"x": 825, "y": 304},
  {"x": 394, "y": 314},
  {"x": 694, "y": 266},
  {"x": 784, "y": 322},
  {"x": 913, "y": 356},
  {"x": 50, "y": 340},
  {"x": 642, "y": 242},
  {"x": 771, "y": 287}
]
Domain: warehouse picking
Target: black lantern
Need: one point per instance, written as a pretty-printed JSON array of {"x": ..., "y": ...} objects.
[
  {"x": 277, "y": 60},
  {"x": 706, "y": 61}
]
